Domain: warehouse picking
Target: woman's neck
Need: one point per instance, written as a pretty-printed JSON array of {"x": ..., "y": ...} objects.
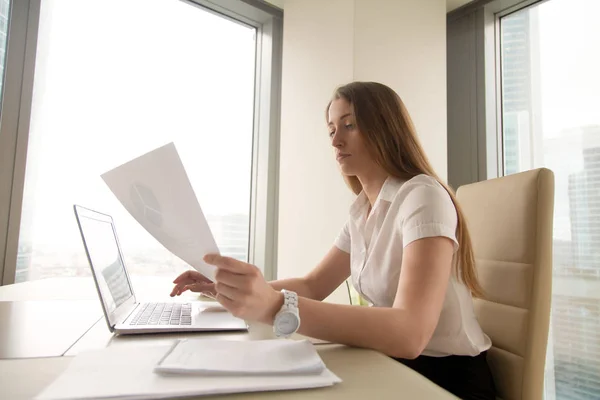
[{"x": 372, "y": 184}]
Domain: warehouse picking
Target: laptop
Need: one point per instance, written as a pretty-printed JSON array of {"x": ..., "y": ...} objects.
[{"x": 124, "y": 315}]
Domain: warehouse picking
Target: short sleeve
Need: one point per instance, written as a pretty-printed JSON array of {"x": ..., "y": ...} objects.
[
  {"x": 342, "y": 242},
  {"x": 428, "y": 211}
]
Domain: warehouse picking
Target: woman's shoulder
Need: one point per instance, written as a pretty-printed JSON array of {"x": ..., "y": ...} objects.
[
  {"x": 423, "y": 191},
  {"x": 423, "y": 184},
  {"x": 423, "y": 180}
]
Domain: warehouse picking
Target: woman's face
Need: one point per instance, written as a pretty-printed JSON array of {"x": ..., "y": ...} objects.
[{"x": 350, "y": 150}]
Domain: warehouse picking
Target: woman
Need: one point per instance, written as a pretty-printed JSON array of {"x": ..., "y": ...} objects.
[{"x": 405, "y": 245}]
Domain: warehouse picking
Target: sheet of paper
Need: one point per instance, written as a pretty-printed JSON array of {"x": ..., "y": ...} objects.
[
  {"x": 225, "y": 357},
  {"x": 126, "y": 372},
  {"x": 156, "y": 191}
]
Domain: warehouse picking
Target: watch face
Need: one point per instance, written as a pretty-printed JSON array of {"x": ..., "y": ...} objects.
[{"x": 287, "y": 323}]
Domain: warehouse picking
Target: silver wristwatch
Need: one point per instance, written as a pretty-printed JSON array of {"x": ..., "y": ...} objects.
[{"x": 287, "y": 320}]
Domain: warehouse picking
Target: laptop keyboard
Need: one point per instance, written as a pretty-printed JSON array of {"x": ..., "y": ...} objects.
[{"x": 163, "y": 314}]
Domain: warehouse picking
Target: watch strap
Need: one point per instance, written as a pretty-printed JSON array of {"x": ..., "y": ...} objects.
[
  {"x": 290, "y": 300},
  {"x": 290, "y": 305}
]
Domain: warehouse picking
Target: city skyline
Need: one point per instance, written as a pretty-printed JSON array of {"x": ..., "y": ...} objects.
[{"x": 231, "y": 232}]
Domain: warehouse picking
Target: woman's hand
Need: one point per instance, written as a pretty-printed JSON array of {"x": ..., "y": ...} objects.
[
  {"x": 194, "y": 281},
  {"x": 243, "y": 291}
]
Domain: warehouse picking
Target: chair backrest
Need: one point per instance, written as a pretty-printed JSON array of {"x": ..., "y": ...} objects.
[{"x": 510, "y": 222}]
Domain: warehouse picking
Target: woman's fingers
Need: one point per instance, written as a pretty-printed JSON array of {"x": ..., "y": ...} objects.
[
  {"x": 230, "y": 292},
  {"x": 242, "y": 289},
  {"x": 190, "y": 280},
  {"x": 200, "y": 287},
  {"x": 211, "y": 295},
  {"x": 176, "y": 290},
  {"x": 232, "y": 279},
  {"x": 194, "y": 287},
  {"x": 225, "y": 302}
]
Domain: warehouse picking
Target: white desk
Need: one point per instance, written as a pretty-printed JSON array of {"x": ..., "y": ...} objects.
[{"x": 366, "y": 374}]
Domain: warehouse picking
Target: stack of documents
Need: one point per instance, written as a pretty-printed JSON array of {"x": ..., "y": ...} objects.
[
  {"x": 191, "y": 368},
  {"x": 223, "y": 357}
]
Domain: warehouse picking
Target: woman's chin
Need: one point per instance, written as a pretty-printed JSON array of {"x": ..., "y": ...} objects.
[{"x": 347, "y": 170}]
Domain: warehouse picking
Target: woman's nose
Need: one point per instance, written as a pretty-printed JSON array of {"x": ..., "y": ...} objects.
[{"x": 336, "y": 140}]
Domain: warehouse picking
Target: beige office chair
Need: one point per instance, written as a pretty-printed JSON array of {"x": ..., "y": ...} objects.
[{"x": 510, "y": 221}]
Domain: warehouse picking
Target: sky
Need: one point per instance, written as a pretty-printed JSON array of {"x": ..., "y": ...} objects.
[{"x": 569, "y": 63}]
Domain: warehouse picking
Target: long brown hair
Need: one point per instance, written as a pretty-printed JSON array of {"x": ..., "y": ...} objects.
[{"x": 391, "y": 140}]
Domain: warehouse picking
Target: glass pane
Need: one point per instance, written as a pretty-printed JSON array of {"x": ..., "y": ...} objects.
[
  {"x": 113, "y": 80},
  {"x": 551, "y": 118},
  {"x": 4, "y": 18}
]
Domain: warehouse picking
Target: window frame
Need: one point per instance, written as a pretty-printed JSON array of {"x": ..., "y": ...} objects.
[
  {"x": 498, "y": 10},
  {"x": 15, "y": 113},
  {"x": 484, "y": 91}
]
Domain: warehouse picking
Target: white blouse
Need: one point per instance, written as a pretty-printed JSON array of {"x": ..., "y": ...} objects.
[{"x": 404, "y": 212}]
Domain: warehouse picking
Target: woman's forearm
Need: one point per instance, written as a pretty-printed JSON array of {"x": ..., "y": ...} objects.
[
  {"x": 388, "y": 330},
  {"x": 298, "y": 285}
]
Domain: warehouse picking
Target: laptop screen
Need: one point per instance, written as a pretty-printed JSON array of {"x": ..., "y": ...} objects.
[{"x": 105, "y": 258}]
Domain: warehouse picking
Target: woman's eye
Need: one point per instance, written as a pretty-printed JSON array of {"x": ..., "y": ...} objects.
[
  {"x": 331, "y": 133},
  {"x": 349, "y": 126}
]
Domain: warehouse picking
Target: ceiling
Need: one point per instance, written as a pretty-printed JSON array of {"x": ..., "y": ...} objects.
[{"x": 450, "y": 4}]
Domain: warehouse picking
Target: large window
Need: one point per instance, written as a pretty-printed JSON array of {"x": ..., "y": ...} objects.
[
  {"x": 551, "y": 117},
  {"x": 113, "y": 80}
]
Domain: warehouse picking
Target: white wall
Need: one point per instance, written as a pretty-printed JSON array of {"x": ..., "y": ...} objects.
[{"x": 401, "y": 43}]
